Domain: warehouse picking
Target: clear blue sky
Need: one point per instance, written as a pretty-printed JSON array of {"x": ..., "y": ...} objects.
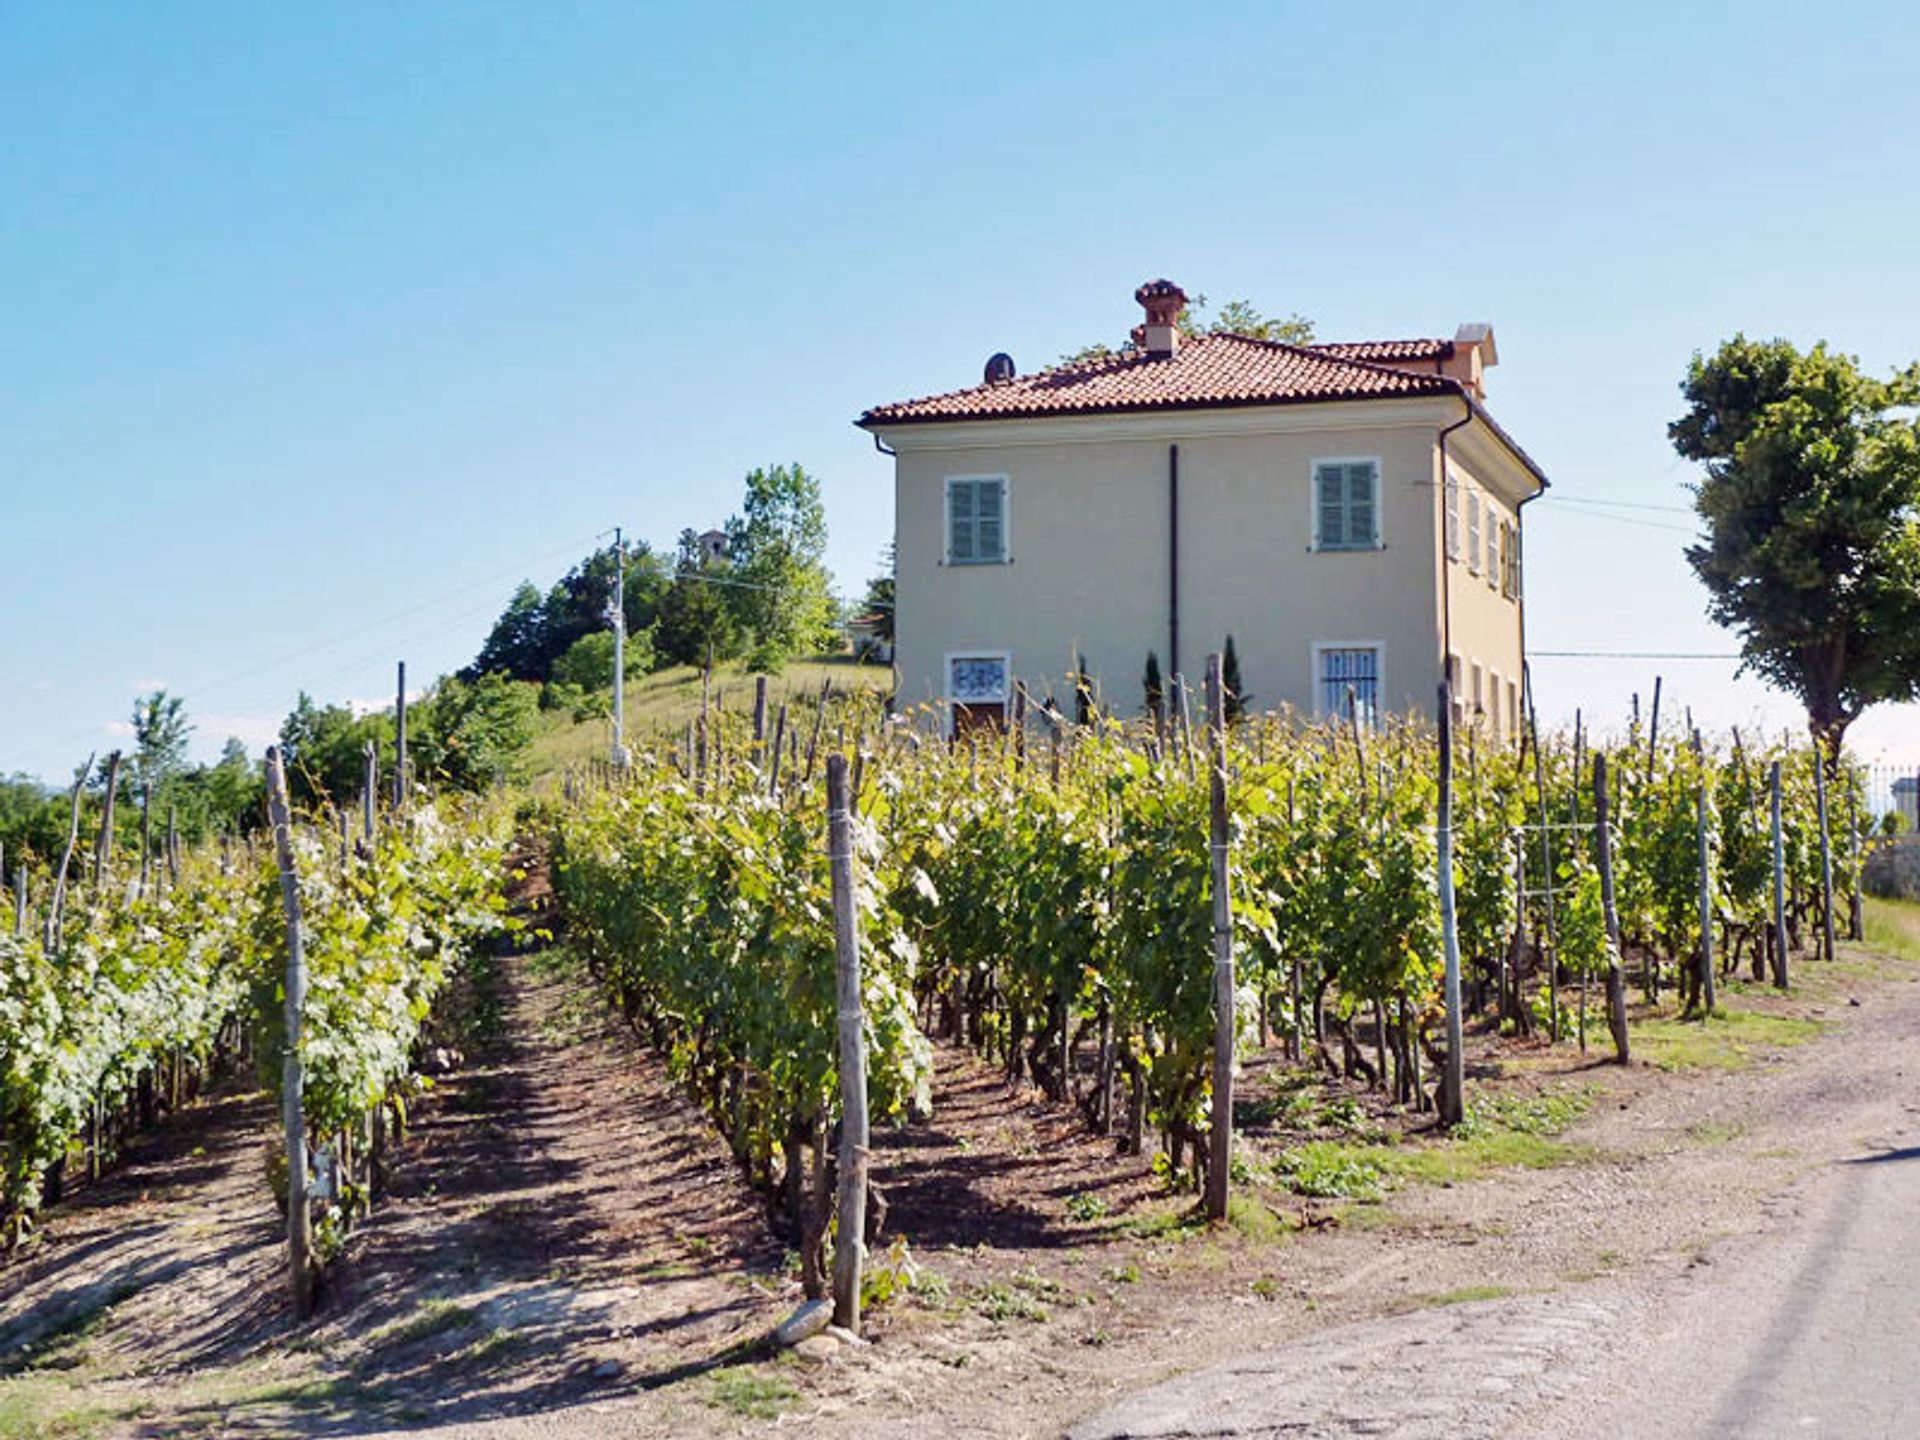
[{"x": 323, "y": 326}]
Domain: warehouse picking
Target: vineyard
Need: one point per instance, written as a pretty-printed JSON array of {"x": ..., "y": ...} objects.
[
  {"x": 1045, "y": 898},
  {"x": 122, "y": 997},
  {"x": 1041, "y": 907}
]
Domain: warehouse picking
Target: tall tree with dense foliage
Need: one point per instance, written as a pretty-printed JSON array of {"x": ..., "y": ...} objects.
[
  {"x": 782, "y": 599},
  {"x": 535, "y": 630},
  {"x": 1811, "y": 504},
  {"x": 879, "y": 599},
  {"x": 696, "y": 616},
  {"x": 1236, "y": 317}
]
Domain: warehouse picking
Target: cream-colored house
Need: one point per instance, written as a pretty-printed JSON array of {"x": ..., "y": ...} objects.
[{"x": 1349, "y": 513}]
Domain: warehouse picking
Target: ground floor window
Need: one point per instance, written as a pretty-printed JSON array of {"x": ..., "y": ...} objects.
[
  {"x": 978, "y": 687},
  {"x": 1348, "y": 668}
]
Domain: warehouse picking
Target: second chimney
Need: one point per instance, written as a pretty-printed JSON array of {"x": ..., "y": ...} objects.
[{"x": 1163, "y": 300}]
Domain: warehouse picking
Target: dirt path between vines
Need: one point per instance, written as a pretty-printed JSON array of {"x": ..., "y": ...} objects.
[{"x": 569, "y": 1251}]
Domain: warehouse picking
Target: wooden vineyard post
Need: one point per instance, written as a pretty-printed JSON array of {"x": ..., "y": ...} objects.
[
  {"x": 1603, "y": 854},
  {"x": 760, "y": 722},
  {"x": 400, "y": 741},
  {"x": 368, "y": 790},
  {"x": 1826, "y": 849},
  {"x": 19, "y": 899},
  {"x": 292, "y": 1109},
  {"x": 1453, "y": 1079},
  {"x": 850, "y": 1245},
  {"x": 1546, "y": 852},
  {"x": 1220, "y": 1136},
  {"x": 1706, "y": 880},
  {"x": 1779, "y": 884},
  {"x": 773, "y": 756},
  {"x": 1856, "y": 911},
  {"x": 103, "y": 846},
  {"x": 57, "y": 907}
]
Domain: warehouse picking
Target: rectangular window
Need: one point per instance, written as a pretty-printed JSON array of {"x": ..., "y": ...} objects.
[
  {"x": 976, "y": 520},
  {"x": 1473, "y": 532},
  {"x": 977, "y": 679},
  {"x": 1479, "y": 698},
  {"x": 1453, "y": 517},
  {"x": 978, "y": 688},
  {"x": 1511, "y": 574},
  {"x": 1346, "y": 505},
  {"x": 1344, "y": 669},
  {"x": 1493, "y": 547}
]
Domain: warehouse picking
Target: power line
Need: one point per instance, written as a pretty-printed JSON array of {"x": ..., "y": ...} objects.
[
  {"x": 1633, "y": 655},
  {"x": 198, "y": 692},
  {"x": 1619, "y": 504}
]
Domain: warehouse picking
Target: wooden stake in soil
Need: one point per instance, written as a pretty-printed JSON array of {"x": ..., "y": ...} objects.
[
  {"x": 292, "y": 1111},
  {"x": 1706, "y": 880},
  {"x": 103, "y": 845},
  {"x": 1220, "y": 1137},
  {"x": 400, "y": 740},
  {"x": 1603, "y": 854},
  {"x": 850, "y": 1245},
  {"x": 1779, "y": 884},
  {"x": 370, "y": 787},
  {"x": 56, "y": 910},
  {"x": 1453, "y": 1078},
  {"x": 1826, "y": 848},
  {"x": 1546, "y": 844},
  {"x": 1856, "y": 912}
]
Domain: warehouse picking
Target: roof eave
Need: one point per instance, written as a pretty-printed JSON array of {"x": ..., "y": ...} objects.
[{"x": 872, "y": 420}]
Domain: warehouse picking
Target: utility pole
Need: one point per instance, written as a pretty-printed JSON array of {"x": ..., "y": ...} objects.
[{"x": 619, "y": 650}]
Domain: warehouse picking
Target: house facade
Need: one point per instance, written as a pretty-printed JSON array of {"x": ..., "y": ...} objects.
[{"x": 1349, "y": 514}]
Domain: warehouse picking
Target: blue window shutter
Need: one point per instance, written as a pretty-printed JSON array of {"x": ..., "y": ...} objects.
[
  {"x": 990, "y": 530},
  {"x": 1361, "y": 527},
  {"x": 960, "y": 512},
  {"x": 1333, "y": 510}
]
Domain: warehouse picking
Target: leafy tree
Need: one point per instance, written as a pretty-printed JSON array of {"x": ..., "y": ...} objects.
[
  {"x": 229, "y": 790},
  {"x": 32, "y": 821},
  {"x": 1235, "y": 698},
  {"x": 879, "y": 599},
  {"x": 1156, "y": 690},
  {"x": 517, "y": 644},
  {"x": 1811, "y": 504},
  {"x": 534, "y": 631},
  {"x": 588, "y": 663},
  {"x": 476, "y": 732},
  {"x": 324, "y": 748},
  {"x": 777, "y": 545},
  {"x": 696, "y": 619},
  {"x": 1236, "y": 317},
  {"x": 160, "y": 731}
]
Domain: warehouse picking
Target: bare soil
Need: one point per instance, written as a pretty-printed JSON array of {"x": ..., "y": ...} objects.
[{"x": 568, "y": 1249}]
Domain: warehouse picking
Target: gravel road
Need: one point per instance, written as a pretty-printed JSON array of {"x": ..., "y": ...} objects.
[{"x": 1804, "y": 1324}]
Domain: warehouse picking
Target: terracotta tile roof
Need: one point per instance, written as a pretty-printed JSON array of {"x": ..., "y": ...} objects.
[
  {"x": 1208, "y": 371},
  {"x": 1388, "y": 352}
]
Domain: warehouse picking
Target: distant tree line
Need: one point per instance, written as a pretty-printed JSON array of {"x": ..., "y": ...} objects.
[{"x": 764, "y": 598}]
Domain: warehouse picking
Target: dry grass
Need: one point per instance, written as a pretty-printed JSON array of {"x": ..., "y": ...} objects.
[{"x": 662, "y": 703}]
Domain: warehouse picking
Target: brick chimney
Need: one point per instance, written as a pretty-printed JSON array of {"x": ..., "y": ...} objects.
[
  {"x": 1473, "y": 352},
  {"x": 1163, "y": 301}
]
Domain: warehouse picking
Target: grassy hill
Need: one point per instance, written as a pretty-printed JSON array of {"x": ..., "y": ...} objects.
[{"x": 662, "y": 703}]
